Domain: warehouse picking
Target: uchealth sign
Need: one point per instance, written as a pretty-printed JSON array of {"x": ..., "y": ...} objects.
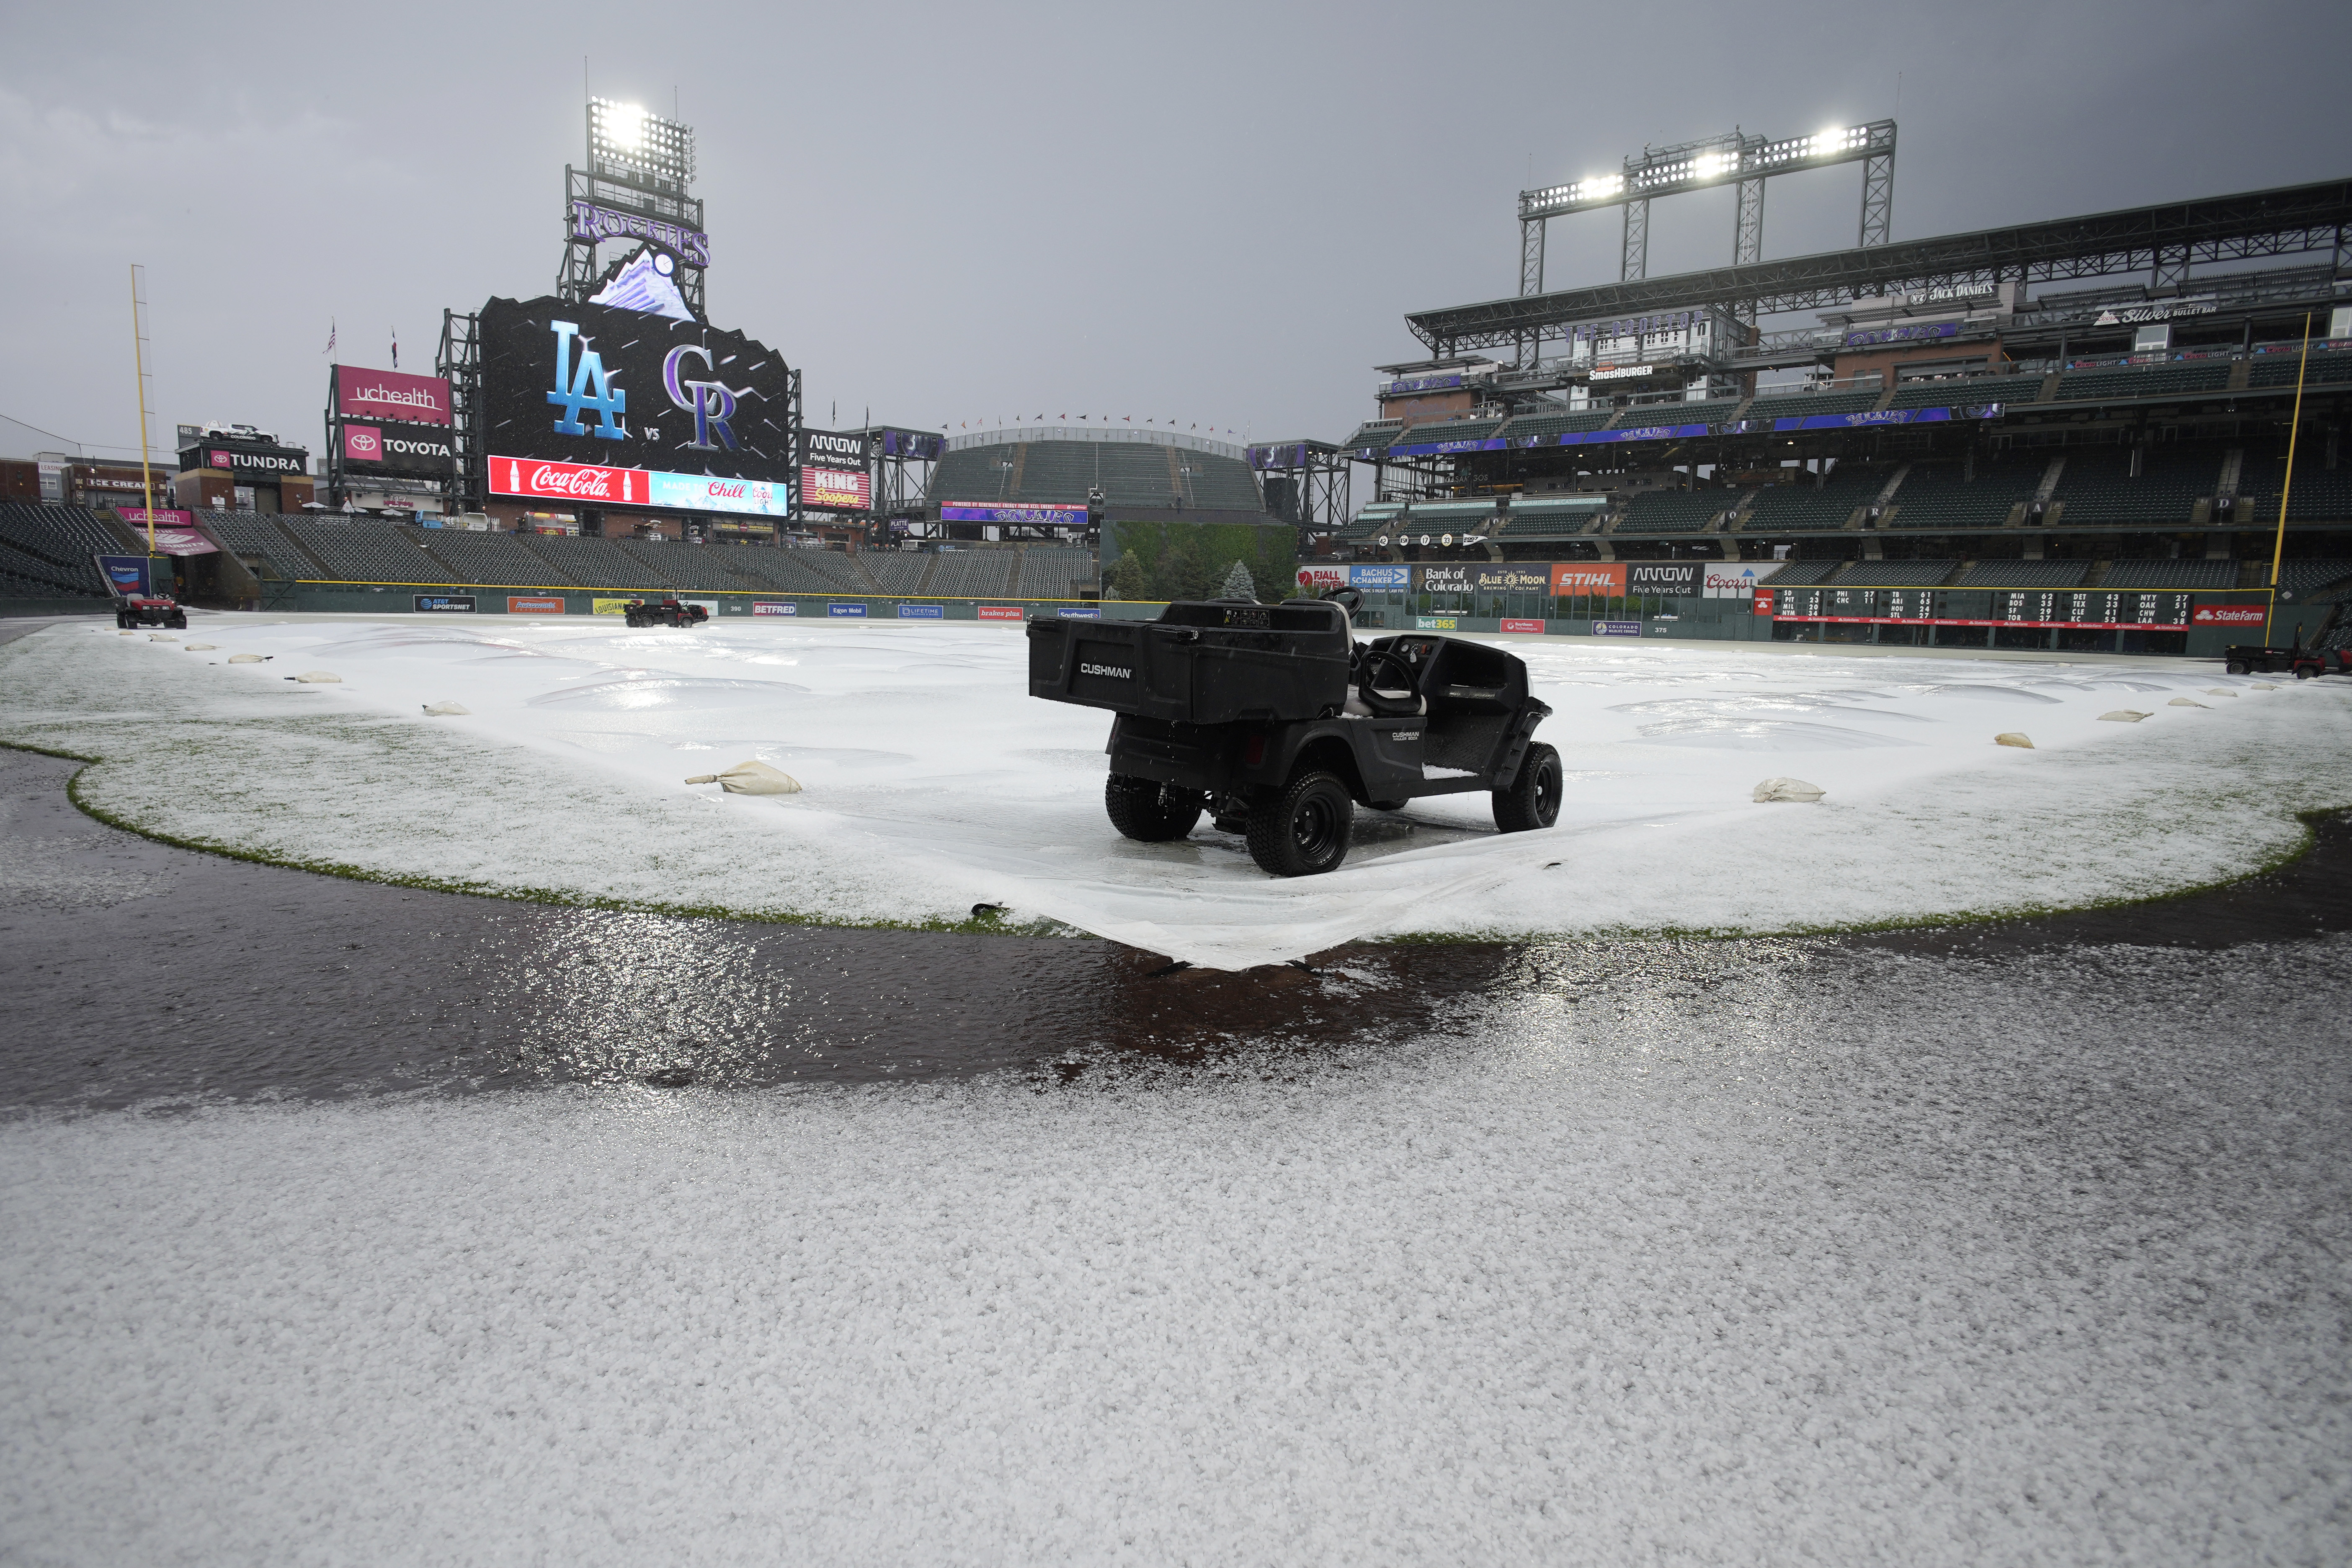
[
  {"x": 2228, "y": 616},
  {"x": 391, "y": 395}
]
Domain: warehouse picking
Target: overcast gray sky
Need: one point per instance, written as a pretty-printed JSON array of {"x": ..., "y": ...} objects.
[{"x": 953, "y": 214}]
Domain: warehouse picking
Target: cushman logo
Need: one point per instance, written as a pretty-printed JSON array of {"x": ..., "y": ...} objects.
[{"x": 1111, "y": 670}]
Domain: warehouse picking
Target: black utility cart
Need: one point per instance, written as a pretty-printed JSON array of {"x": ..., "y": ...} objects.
[
  {"x": 2329, "y": 653},
  {"x": 665, "y": 613},
  {"x": 1277, "y": 719}
]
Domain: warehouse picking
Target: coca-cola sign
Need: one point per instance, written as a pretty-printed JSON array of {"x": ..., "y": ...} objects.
[{"x": 536, "y": 478}]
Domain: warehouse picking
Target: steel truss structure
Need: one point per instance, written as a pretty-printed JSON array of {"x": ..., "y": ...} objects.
[
  {"x": 1734, "y": 158},
  {"x": 1316, "y": 477},
  {"x": 459, "y": 359},
  {"x": 2162, "y": 241},
  {"x": 641, "y": 164}
]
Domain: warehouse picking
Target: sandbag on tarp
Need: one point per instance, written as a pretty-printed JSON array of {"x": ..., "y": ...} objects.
[
  {"x": 2184, "y": 703},
  {"x": 1789, "y": 789},
  {"x": 202, "y": 647},
  {"x": 752, "y": 778},
  {"x": 318, "y": 677},
  {"x": 245, "y": 659},
  {"x": 2013, "y": 738},
  {"x": 444, "y": 709},
  {"x": 2122, "y": 716}
]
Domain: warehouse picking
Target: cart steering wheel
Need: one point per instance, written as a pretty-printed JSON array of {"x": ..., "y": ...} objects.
[{"x": 1387, "y": 662}]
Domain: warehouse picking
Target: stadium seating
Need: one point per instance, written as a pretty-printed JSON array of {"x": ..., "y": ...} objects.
[
  {"x": 1047, "y": 571},
  {"x": 254, "y": 539},
  {"x": 1675, "y": 511},
  {"x": 1450, "y": 430},
  {"x": 1454, "y": 517},
  {"x": 1937, "y": 497},
  {"x": 973, "y": 573},
  {"x": 787, "y": 570},
  {"x": 593, "y": 563},
  {"x": 1539, "y": 426},
  {"x": 2144, "y": 380},
  {"x": 51, "y": 546},
  {"x": 1779, "y": 509},
  {"x": 489, "y": 558},
  {"x": 971, "y": 474},
  {"x": 2024, "y": 574},
  {"x": 687, "y": 565},
  {"x": 1804, "y": 406},
  {"x": 2302, "y": 579},
  {"x": 900, "y": 573},
  {"x": 2006, "y": 390},
  {"x": 2280, "y": 369},
  {"x": 1803, "y": 573},
  {"x": 1377, "y": 432},
  {"x": 2145, "y": 574},
  {"x": 363, "y": 551},
  {"x": 1896, "y": 574},
  {"x": 2097, "y": 486},
  {"x": 1554, "y": 518},
  {"x": 2318, "y": 494}
]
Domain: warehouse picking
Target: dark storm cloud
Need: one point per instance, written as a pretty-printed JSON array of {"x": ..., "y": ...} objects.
[{"x": 1215, "y": 213}]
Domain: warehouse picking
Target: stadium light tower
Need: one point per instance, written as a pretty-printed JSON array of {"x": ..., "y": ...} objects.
[
  {"x": 635, "y": 186},
  {"x": 1734, "y": 158}
]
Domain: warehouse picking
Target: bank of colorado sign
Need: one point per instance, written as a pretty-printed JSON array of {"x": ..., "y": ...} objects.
[{"x": 589, "y": 484}]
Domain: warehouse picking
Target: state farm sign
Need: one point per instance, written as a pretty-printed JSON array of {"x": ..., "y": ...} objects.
[{"x": 2228, "y": 616}]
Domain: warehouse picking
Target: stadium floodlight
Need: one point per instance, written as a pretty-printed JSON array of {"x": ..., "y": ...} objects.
[{"x": 624, "y": 136}]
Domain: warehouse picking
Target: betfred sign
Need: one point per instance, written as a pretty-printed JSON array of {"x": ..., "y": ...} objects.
[
  {"x": 765, "y": 608},
  {"x": 835, "y": 490},
  {"x": 2228, "y": 616},
  {"x": 999, "y": 612},
  {"x": 1603, "y": 577},
  {"x": 522, "y": 606},
  {"x": 389, "y": 395}
]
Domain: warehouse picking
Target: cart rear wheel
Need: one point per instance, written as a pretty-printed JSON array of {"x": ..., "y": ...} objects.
[
  {"x": 1533, "y": 799},
  {"x": 2305, "y": 671},
  {"x": 1148, "y": 812},
  {"x": 1303, "y": 831},
  {"x": 2236, "y": 667}
]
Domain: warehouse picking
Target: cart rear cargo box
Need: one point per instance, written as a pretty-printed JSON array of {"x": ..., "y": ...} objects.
[{"x": 1199, "y": 664}]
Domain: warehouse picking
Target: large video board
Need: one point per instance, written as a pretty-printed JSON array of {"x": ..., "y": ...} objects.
[{"x": 588, "y": 384}]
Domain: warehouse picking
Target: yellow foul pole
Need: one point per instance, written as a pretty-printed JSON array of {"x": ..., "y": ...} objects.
[
  {"x": 139, "y": 362},
  {"x": 2278, "y": 549}
]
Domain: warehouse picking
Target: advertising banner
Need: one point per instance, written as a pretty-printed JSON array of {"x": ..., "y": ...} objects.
[
  {"x": 1512, "y": 626},
  {"x": 921, "y": 613},
  {"x": 1603, "y": 577},
  {"x": 830, "y": 490},
  {"x": 409, "y": 450},
  {"x": 1663, "y": 579},
  {"x": 1396, "y": 579},
  {"x": 1734, "y": 579},
  {"x": 1315, "y": 579},
  {"x": 2229, "y": 616},
  {"x": 248, "y": 462},
  {"x": 1432, "y": 623},
  {"x": 183, "y": 542},
  {"x": 856, "y": 611},
  {"x": 982, "y": 511},
  {"x": 1439, "y": 449},
  {"x": 1512, "y": 577},
  {"x": 610, "y": 606},
  {"x": 765, "y": 608},
  {"x": 518, "y": 605},
  {"x": 920, "y": 444},
  {"x": 1616, "y": 628},
  {"x": 126, "y": 575},
  {"x": 591, "y": 221},
  {"x": 389, "y": 395},
  {"x": 165, "y": 516},
  {"x": 459, "y": 604},
  {"x": 842, "y": 449},
  {"x": 705, "y": 492},
  {"x": 1079, "y": 614},
  {"x": 1001, "y": 613},
  {"x": 597, "y": 386}
]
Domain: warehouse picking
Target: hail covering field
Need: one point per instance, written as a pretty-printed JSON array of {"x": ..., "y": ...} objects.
[{"x": 933, "y": 782}]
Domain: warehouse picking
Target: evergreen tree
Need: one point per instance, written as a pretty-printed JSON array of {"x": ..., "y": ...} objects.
[
  {"x": 1127, "y": 578},
  {"x": 1238, "y": 585}
]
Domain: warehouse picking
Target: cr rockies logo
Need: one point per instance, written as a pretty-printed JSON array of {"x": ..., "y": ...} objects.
[
  {"x": 588, "y": 391},
  {"x": 712, "y": 403}
]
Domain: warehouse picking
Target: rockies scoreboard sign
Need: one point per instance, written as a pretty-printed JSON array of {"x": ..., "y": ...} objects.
[{"x": 578, "y": 384}]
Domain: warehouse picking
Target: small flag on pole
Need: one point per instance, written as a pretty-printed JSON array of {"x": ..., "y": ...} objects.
[
  {"x": 395, "y": 348},
  {"x": 330, "y": 350}
]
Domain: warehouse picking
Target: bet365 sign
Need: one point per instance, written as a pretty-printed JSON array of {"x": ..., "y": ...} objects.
[{"x": 576, "y": 383}]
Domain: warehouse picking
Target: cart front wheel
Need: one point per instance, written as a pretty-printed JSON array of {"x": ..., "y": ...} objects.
[
  {"x": 1533, "y": 799},
  {"x": 2235, "y": 666},
  {"x": 1148, "y": 812},
  {"x": 2305, "y": 672},
  {"x": 1303, "y": 831}
]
